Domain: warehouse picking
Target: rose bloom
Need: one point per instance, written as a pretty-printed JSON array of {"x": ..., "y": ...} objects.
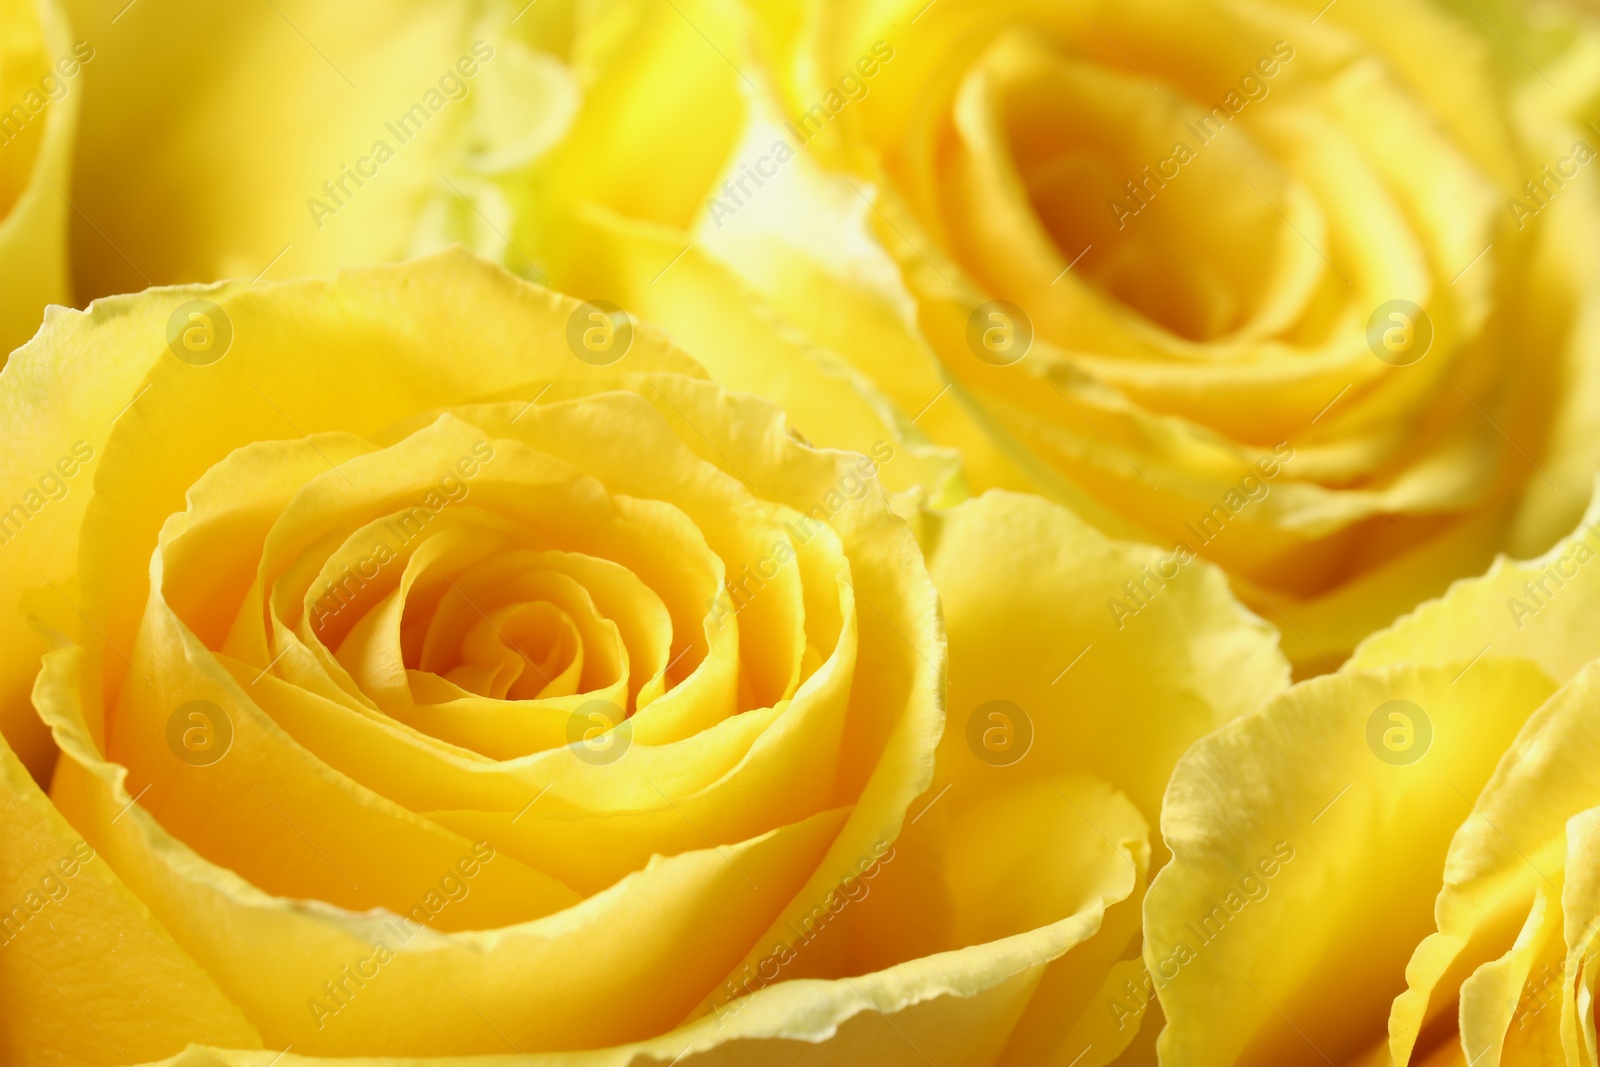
[
  {"x": 1400, "y": 862},
  {"x": 414, "y": 672},
  {"x": 40, "y": 67}
]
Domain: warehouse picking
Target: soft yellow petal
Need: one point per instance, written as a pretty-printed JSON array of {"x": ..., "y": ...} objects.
[
  {"x": 1251, "y": 929},
  {"x": 1581, "y": 919},
  {"x": 1536, "y": 609},
  {"x": 1512, "y": 846},
  {"x": 76, "y": 945},
  {"x": 1117, "y": 656},
  {"x": 953, "y": 1007},
  {"x": 658, "y": 274}
]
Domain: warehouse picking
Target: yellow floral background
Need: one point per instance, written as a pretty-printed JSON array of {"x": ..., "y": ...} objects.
[{"x": 705, "y": 531}]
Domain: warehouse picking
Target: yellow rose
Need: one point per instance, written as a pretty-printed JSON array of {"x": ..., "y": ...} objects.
[
  {"x": 1402, "y": 859},
  {"x": 40, "y": 72},
  {"x": 1305, "y": 288},
  {"x": 443, "y": 667}
]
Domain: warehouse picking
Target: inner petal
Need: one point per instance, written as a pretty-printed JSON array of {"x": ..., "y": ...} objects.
[
  {"x": 524, "y": 651},
  {"x": 1177, "y": 213},
  {"x": 508, "y": 616}
]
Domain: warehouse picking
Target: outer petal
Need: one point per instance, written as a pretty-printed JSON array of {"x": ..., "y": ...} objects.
[
  {"x": 1115, "y": 682},
  {"x": 1263, "y": 941},
  {"x": 1508, "y": 855},
  {"x": 1580, "y": 906},
  {"x": 75, "y": 944},
  {"x": 1024, "y": 586},
  {"x": 657, "y": 273},
  {"x": 1540, "y": 610},
  {"x": 950, "y": 1009}
]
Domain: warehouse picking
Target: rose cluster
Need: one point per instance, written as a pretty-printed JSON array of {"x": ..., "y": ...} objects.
[{"x": 966, "y": 533}]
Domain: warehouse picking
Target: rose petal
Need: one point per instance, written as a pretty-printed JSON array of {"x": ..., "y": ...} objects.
[
  {"x": 1269, "y": 813},
  {"x": 76, "y": 940}
]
